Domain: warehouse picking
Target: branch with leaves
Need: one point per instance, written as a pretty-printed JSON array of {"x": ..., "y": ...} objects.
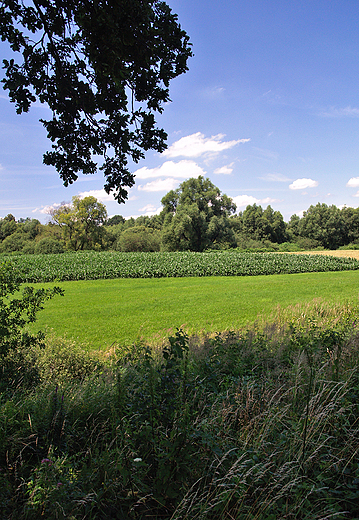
[{"x": 103, "y": 69}]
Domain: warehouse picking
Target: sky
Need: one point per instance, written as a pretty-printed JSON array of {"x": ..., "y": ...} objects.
[{"x": 268, "y": 111}]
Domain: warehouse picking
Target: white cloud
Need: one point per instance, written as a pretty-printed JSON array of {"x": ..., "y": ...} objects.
[
  {"x": 197, "y": 144},
  {"x": 341, "y": 112},
  {"x": 150, "y": 210},
  {"x": 268, "y": 200},
  {"x": 159, "y": 185},
  {"x": 353, "y": 182},
  {"x": 224, "y": 170},
  {"x": 242, "y": 201},
  {"x": 100, "y": 195},
  {"x": 357, "y": 194},
  {"x": 302, "y": 184},
  {"x": 46, "y": 210},
  {"x": 183, "y": 169}
]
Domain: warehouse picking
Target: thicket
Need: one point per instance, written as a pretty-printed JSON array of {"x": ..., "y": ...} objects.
[
  {"x": 189, "y": 221},
  {"x": 261, "y": 423}
]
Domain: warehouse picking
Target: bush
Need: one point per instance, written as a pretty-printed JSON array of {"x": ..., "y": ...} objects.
[
  {"x": 16, "y": 310},
  {"x": 139, "y": 238},
  {"x": 48, "y": 245}
]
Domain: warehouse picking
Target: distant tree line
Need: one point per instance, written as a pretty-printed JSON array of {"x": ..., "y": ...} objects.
[{"x": 195, "y": 217}]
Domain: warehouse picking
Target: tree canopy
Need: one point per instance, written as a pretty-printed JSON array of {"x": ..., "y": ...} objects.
[
  {"x": 196, "y": 217},
  {"x": 82, "y": 223},
  {"x": 103, "y": 68}
]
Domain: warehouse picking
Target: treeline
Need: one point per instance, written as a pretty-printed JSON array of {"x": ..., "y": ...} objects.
[{"x": 195, "y": 217}]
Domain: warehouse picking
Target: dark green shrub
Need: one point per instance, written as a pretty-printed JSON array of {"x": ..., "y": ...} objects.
[
  {"x": 48, "y": 245},
  {"x": 139, "y": 238}
]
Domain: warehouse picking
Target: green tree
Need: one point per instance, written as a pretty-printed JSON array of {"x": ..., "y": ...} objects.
[
  {"x": 293, "y": 227},
  {"x": 103, "y": 69},
  {"x": 253, "y": 225},
  {"x": 8, "y": 226},
  {"x": 82, "y": 223},
  {"x": 325, "y": 224},
  {"x": 139, "y": 238},
  {"x": 351, "y": 222},
  {"x": 274, "y": 226},
  {"x": 113, "y": 221},
  {"x": 196, "y": 217},
  {"x": 263, "y": 225}
]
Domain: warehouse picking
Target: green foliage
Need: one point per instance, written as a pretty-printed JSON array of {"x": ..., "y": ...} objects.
[
  {"x": 256, "y": 424},
  {"x": 196, "y": 217},
  {"x": 139, "y": 238},
  {"x": 19, "y": 236},
  {"x": 104, "y": 70},
  {"x": 325, "y": 224},
  {"x": 18, "y": 309},
  {"x": 48, "y": 245},
  {"x": 82, "y": 223},
  {"x": 262, "y": 225}
]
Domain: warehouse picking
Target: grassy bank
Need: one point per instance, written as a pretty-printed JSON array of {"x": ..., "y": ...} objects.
[
  {"x": 262, "y": 424},
  {"x": 103, "y": 312}
]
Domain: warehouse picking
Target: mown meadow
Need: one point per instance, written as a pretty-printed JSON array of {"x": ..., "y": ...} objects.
[{"x": 257, "y": 422}]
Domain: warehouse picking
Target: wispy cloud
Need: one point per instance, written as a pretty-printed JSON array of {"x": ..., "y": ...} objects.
[
  {"x": 242, "y": 201},
  {"x": 353, "y": 182},
  {"x": 340, "y": 112},
  {"x": 160, "y": 185},
  {"x": 197, "y": 144},
  {"x": 100, "y": 195},
  {"x": 182, "y": 169},
  {"x": 302, "y": 184},
  {"x": 266, "y": 154},
  {"x": 224, "y": 170},
  {"x": 275, "y": 177}
]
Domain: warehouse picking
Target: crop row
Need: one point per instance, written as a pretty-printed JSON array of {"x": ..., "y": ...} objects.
[{"x": 94, "y": 265}]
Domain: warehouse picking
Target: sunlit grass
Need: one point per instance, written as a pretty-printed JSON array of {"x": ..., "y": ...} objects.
[{"x": 103, "y": 312}]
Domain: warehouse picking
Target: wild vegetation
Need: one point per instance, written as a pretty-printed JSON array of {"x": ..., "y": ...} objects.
[
  {"x": 257, "y": 422},
  {"x": 262, "y": 423},
  {"x": 195, "y": 217}
]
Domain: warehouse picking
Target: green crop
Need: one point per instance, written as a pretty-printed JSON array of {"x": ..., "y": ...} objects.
[{"x": 92, "y": 265}]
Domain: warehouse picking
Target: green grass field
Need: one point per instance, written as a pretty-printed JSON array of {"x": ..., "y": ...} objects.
[{"x": 102, "y": 312}]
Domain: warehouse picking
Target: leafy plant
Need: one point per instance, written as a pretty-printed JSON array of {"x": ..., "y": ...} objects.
[
  {"x": 16, "y": 310},
  {"x": 91, "y": 265}
]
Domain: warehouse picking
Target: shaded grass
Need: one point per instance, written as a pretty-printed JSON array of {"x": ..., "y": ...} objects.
[{"x": 105, "y": 312}]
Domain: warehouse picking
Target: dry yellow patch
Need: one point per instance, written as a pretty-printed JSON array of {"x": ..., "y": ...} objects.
[{"x": 350, "y": 253}]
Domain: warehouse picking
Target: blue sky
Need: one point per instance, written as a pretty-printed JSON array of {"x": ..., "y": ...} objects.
[{"x": 269, "y": 111}]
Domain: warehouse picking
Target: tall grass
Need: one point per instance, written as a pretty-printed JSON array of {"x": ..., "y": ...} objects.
[{"x": 262, "y": 423}]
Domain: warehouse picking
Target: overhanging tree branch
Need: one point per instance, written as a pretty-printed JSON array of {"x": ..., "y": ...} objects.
[{"x": 83, "y": 73}]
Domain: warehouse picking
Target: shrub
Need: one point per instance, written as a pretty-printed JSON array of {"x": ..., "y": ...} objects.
[
  {"x": 139, "y": 238},
  {"x": 48, "y": 245},
  {"x": 16, "y": 310}
]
